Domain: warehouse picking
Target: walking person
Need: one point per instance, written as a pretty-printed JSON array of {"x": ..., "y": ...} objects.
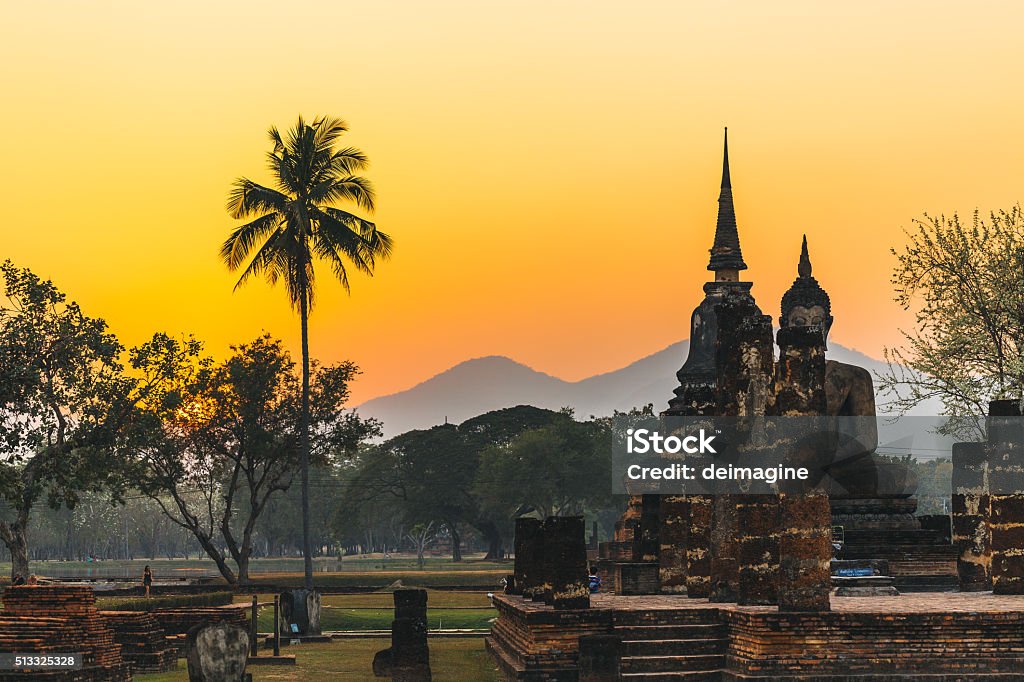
[{"x": 147, "y": 579}]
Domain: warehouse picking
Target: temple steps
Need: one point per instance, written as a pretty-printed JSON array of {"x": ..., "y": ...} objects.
[
  {"x": 694, "y": 676},
  {"x": 901, "y": 550},
  {"x": 713, "y": 631},
  {"x": 672, "y": 644},
  {"x": 658, "y": 664},
  {"x": 928, "y": 583},
  {"x": 909, "y": 536},
  {"x": 923, "y": 567},
  {"x": 687, "y": 616},
  {"x": 673, "y": 647}
]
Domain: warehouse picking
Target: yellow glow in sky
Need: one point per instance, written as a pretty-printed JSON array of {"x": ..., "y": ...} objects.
[{"x": 549, "y": 171}]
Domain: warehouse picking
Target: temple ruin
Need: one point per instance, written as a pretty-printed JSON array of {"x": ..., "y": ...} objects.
[{"x": 751, "y": 586}]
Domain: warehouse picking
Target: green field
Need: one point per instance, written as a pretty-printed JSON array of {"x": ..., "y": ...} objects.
[
  {"x": 353, "y": 571},
  {"x": 482, "y": 579},
  {"x": 352, "y": 659},
  {"x": 375, "y": 611}
]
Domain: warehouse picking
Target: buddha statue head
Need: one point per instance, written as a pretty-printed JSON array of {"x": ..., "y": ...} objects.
[{"x": 806, "y": 303}]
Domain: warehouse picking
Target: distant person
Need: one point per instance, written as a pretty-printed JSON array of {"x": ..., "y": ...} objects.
[
  {"x": 32, "y": 580},
  {"x": 595, "y": 582},
  {"x": 147, "y": 579},
  {"x": 19, "y": 579}
]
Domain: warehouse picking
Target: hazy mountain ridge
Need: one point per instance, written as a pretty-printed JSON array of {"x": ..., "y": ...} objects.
[{"x": 489, "y": 383}]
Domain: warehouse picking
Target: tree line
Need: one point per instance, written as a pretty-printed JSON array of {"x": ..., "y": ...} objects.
[
  {"x": 201, "y": 455},
  {"x": 484, "y": 473},
  {"x": 208, "y": 443}
]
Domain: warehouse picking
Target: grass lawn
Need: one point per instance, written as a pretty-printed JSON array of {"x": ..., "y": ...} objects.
[
  {"x": 371, "y": 564},
  {"x": 352, "y": 659},
  {"x": 375, "y": 611},
  {"x": 485, "y": 579}
]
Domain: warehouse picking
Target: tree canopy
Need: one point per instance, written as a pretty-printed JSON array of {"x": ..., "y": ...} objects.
[
  {"x": 65, "y": 403},
  {"x": 965, "y": 285},
  {"x": 225, "y": 437}
]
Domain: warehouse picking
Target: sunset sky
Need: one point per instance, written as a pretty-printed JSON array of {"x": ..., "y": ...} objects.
[{"x": 548, "y": 170}]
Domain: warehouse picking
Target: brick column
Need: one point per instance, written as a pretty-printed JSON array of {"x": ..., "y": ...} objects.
[
  {"x": 805, "y": 552},
  {"x": 725, "y": 575},
  {"x": 805, "y": 543},
  {"x": 745, "y": 364},
  {"x": 526, "y": 546},
  {"x": 758, "y": 549},
  {"x": 566, "y": 546},
  {"x": 647, "y": 544},
  {"x": 970, "y": 517},
  {"x": 698, "y": 546},
  {"x": 1006, "y": 501},
  {"x": 672, "y": 536}
]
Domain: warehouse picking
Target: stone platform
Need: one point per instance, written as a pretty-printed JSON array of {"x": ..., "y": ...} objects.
[{"x": 923, "y": 636}]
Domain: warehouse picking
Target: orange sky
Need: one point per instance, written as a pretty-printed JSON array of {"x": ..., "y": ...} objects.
[{"x": 549, "y": 170}]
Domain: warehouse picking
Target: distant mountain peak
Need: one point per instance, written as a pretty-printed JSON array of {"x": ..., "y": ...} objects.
[{"x": 491, "y": 382}]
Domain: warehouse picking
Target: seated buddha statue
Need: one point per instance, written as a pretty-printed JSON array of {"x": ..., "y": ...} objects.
[{"x": 856, "y": 470}]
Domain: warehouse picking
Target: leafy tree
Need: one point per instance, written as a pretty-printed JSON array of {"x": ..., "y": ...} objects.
[
  {"x": 432, "y": 473},
  {"x": 295, "y": 224},
  {"x": 64, "y": 403},
  {"x": 497, "y": 428},
  {"x": 560, "y": 469},
  {"x": 229, "y": 437},
  {"x": 420, "y": 536},
  {"x": 965, "y": 284}
]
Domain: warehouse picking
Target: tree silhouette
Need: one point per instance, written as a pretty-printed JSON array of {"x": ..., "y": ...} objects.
[{"x": 294, "y": 225}]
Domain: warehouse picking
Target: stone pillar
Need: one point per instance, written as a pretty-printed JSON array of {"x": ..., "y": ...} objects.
[
  {"x": 525, "y": 546},
  {"x": 805, "y": 551},
  {"x": 744, "y": 359},
  {"x": 408, "y": 658},
  {"x": 216, "y": 652},
  {"x": 672, "y": 536},
  {"x": 758, "y": 549},
  {"x": 695, "y": 396},
  {"x": 300, "y": 608},
  {"x": 542, "y": 565},
  {"x": 725, "y": 575},
  {"x": 698, "y": 546},
  {"x": 970, "y": 517},
  {"x": 566, "y": 546},
  {"x": 805, "y": 534},
  {"x": 648, "y": 544},
  {"x": 1006, "y": 501},
  {"x": 600, "y": 658},
  {"x": 625, "y": 527}
]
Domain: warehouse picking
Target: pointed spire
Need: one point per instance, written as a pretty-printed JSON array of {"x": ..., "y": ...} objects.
[
  {"x": 726, "y": 254},
  {"x": 804, "y": 268},
  {"x": 805, "y": 290},
  {"x": 726, "y": 179}
]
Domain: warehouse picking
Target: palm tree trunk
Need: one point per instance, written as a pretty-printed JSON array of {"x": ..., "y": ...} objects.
[{"x": 307, "y": 546}]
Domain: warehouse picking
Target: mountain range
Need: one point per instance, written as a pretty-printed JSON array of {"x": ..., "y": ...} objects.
[{"x": 489, "y": 383}]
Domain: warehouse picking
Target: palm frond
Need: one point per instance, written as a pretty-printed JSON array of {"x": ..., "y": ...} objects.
[
  {"x": 248, "y": 198},
  {"x": 343, "y": 238},
  {"x": 349, "y": 160},
  {"x": 328, "y": 130},
  {"x": 265, "y": 262},
  {"x": 352, "y": 188},
  {"x": 379, "y": 243},
  {"x": 244, "y": 239}
]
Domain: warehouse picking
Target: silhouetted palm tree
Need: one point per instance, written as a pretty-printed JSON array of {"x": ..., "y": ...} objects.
[{"x": 295, "y": 224}]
